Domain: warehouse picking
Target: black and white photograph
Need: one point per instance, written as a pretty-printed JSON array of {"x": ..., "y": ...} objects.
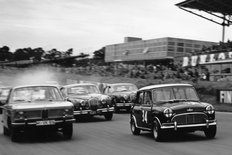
[{"x": 106, "y": 77}]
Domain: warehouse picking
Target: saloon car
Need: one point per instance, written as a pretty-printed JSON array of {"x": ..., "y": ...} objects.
[
  {"x": 88, "y": 101},
  {"x": 31, "y": 107},
  {"x": 171, "y": 108},
  {"x": 121, "y": 94}
]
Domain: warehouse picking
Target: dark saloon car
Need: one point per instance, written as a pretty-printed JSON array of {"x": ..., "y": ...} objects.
[
  {"x": 121, "y": 94},
  {"x": 171, "y": 108},
  {"x": 37, "y": 107},
  {"x": 88, "y": 100}
]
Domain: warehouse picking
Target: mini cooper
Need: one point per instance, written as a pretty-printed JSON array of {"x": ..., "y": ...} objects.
[
  {"x": 121, "y": 94},
  {"x": 88, "y": 101},
  {"x": 171, "y": 108},
  {"x": 37, "y": 107}
]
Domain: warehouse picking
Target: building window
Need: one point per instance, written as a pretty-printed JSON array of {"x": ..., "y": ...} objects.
[
  {"x": 180, "y": 49},
  {"x": 171, "y": 43},
  {"x": 226, "y": 68},
  {"x": 180, "y": 44},
  {"x": 188, "y": 50},
  {"x": 171, "y": 48},
  {"x": 197, "y": 46},
  {"x": 188, "y": 45}
]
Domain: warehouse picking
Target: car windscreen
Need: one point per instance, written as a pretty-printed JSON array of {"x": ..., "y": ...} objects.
[
  {"x": 83, "y": 90},
  {"x": 122, "y": 88},
  {"x": 174, "y": 94},
  {"x": 36, "y": 93}
]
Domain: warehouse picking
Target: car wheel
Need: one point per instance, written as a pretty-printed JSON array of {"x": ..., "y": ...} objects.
[
  {"x": 134, "y": 129},
  {"x": 128, "y": 109},
  {"x": 68, "y": 131},
  {"x": 14, "y": 134},
  {"x": 108, "y": 116},
  {"x": 157, "y": 131},
  {"x": 116, "y": 109},
  {"x": 211, "y": 132}
]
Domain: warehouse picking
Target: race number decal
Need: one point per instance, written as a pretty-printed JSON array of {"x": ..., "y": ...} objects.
[{"x": 144, "y": 115}]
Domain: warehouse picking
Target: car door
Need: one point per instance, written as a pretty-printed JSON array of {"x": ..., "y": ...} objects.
[
  {"x": 137, "y": 109},
  {"x": 146, "y": 109}
]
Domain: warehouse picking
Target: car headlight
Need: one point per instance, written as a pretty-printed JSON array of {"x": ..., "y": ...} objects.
[
  {"x": 168, "y": 112},
  {"x": 210, "y": 109},
  {"x": 103, "y": 101},
  {"x": 125, "y": 97},
  {"x": 19, "y": 115},
  {"x": 83, "y": 103},
  {"x": 68, "y": 112}
]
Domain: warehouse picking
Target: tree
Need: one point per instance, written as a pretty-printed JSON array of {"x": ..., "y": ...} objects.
[
  {"x": 5, "y": 54},
  {"x": 99, "y": 54},
  {"x": 21, "y": 54},
  {"x": 69, "y": 52}
]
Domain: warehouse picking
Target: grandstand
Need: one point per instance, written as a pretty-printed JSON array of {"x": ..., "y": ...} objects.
[{"x": 216, "y": 60}]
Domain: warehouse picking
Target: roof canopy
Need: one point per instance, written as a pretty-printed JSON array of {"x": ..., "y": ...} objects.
[
  {"x": 218, "y": 6},
  {"x": 222, "y": 9}
]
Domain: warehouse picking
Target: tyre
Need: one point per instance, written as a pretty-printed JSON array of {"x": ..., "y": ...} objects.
[
  {"x": 116, "y": 109},
  {"x": 211, "y": 132},
  {"x": 134, "y": 129},
  {"x": 108, "y": 116},
  {"x": 68, "y": 131},
  {"x": 128, "y": 110},
  {"x": 157, "y": 132},
  {"x": 14, "y": 134}
]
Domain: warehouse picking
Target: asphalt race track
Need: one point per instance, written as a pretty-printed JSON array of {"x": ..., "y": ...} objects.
[{"x": 96, "y": 136}]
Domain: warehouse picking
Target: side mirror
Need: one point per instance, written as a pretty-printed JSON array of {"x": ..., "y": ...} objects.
[{"x": 104, "y": 89}]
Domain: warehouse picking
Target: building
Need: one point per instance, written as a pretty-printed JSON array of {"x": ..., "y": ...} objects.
[{"x": 161, "y": 50}]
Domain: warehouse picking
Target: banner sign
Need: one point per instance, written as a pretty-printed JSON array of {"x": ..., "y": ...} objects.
[{"x": 206, "y": 58}]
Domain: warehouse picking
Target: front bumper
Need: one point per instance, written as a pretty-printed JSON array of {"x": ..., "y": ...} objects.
[
  {"x": 175, "y": 126},
  {"x": 34, "y": 123},
  {"x": 123, "y": 104},
  {"x": 94, "y": 112}
]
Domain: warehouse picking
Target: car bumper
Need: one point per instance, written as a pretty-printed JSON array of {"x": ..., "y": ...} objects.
[
  {"x": 94, "y": 112},
  {"x": 123, "y": 104},
  {"x": 35, "y": 123},
  {"x": 175, "y": 126}
]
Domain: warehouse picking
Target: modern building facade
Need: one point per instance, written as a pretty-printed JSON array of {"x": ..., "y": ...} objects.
[{"x": 154, "y": 50}]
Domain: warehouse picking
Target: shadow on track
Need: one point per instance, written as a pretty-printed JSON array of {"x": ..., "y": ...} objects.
[
  {"x": 179, "y": 137},
  {"x": 40, "y": 136}
]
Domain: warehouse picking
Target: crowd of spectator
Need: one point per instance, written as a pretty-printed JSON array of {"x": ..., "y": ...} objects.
[
  {"x": 221, "y": 47},
  {"x": 158, "y": 71}
]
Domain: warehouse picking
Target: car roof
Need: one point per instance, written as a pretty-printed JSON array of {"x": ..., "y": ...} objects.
[
  {"x": 35, "y": 85},
  {"x": 78, "y": 84},
  {"x": 164, "y": 85},
  {"x": 115, "y": 84}
]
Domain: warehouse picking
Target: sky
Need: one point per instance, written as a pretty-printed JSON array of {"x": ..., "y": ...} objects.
[{"x": 89, "y": 25}]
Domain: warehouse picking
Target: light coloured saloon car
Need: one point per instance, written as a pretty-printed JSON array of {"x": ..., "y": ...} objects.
[{"x": 31, "y": 107}]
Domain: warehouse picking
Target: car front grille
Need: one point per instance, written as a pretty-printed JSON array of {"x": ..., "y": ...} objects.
[
  {"x": 55, "y": 112},
  {"x": 34, "y": 114},
  {"x": 190, "y": 118},
  {"x": 93, "y": 102}
]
